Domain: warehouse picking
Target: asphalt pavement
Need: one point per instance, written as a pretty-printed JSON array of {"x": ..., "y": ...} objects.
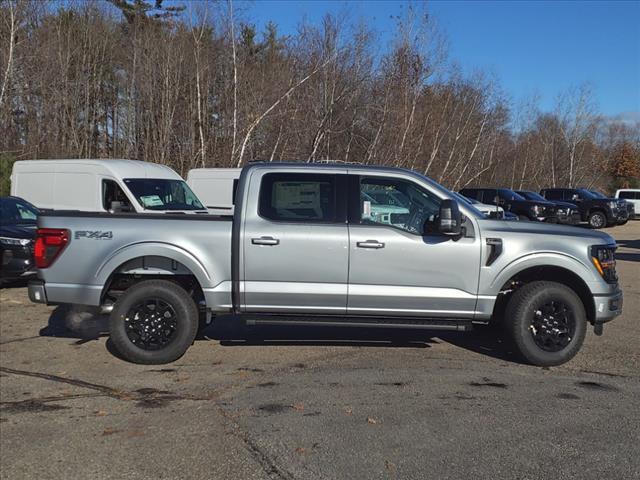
[{"x": 311, "y": 403}]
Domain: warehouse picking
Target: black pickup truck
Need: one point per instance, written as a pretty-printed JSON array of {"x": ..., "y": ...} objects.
[
  {"x": 598, "y": 212},
  {"x": 542, "y": 211},
  {"x": 566, "y": 213}
]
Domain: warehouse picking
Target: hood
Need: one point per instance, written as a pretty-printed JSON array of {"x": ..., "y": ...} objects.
[
  {"x": 530, "y": 203},
  {"x": 565, "y": 205},
  {"x": 552, "y": 229},
  {"x": 18, "y": 231}
]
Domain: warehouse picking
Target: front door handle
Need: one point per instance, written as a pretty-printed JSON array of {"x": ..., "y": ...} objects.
[
  {"x": 370, "y": 244},
  {"x": 265, "y": 241}
]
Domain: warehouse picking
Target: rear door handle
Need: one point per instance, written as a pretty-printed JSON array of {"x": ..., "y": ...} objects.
[
  {"x": 265, "y": 241},
  {"x": 370, "y": 244}
]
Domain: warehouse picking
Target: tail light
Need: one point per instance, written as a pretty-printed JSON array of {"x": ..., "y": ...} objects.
[{"x": 50, "y": 242}]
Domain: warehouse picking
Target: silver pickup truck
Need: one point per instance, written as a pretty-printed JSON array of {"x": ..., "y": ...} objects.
[{"x": 335, "y": 245}]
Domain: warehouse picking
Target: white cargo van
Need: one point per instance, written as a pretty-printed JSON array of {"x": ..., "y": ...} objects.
[
  {"x": 215, "y": 187},
  {"x": 102, "y": 186}
]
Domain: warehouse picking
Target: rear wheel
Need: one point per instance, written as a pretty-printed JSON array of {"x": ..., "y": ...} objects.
[
  {"x": 597, "y": 220},
  {"x": 153, "y": 322},
  {"x": 547, "y": 323}
]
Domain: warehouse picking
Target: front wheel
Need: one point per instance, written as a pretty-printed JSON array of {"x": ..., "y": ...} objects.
[
  {"x": 597, "y": 220},
  {"x": 623, "y": 222},
  {"x": 154, "y": 322},
  {"x": 547, "y": 323}
]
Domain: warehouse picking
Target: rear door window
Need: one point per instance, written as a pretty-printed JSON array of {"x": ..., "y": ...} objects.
[
  {"x": 299, "y": 197},
  {"x": 553, "y": 195}
]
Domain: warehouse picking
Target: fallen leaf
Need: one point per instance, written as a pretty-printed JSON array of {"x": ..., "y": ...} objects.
[
  {"x": 298, "y": 407},
  {"x": 110, "y": 431},
  {"x": 299, "y": 450},
  {"x": 100, "y": 413},
  {"x": 372, "y": 420},
  {"x": 135, "y": 433},
  {"x": 348, "y": 410}
]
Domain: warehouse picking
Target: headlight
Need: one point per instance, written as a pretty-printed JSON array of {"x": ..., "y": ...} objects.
[
  {"x": 603, "y": 259},
  {"x": 613, "y": 205},
  {"x": 561, "y": 211},
  {"x": 536, "y": 209},
  {"x": 15, "y": 241}
]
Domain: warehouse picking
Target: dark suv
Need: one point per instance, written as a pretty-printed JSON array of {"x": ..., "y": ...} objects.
[
  {"x": 17, "y": 232},
  {"x": 599, "y": 212},
  {"x": 567, "y": 213},
  {"x": 539, "y": 210}
]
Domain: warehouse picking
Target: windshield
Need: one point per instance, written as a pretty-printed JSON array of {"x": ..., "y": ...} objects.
[
  {"x": 586, "y": 194},
  {"x": 507, "y": 194},
  {"x": 469, "y": 202},
  {"x": 17, "y": 212},
  {"x": 163, "y": 194},
  {"x": 597, "y": 194},
  {"x": 532, "y": 196}
]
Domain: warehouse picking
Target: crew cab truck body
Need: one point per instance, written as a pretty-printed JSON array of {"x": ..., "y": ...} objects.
[
  {"x": 306, "y": 247},
  {"x": 598, "y": 212}
]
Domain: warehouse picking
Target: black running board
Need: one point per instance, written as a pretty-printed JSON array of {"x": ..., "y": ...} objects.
[{"x": 377, "y": 322}]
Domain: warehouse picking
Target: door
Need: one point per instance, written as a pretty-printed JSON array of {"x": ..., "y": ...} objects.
[
  {"x": 295, "y": 247},
  {"x": 396, "y": 270}
]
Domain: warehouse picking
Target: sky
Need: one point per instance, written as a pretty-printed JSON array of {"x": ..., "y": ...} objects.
[{"x": 533, "y": 47}]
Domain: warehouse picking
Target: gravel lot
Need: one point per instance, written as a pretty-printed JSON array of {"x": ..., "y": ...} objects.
[{"x": 315, "y": 403}]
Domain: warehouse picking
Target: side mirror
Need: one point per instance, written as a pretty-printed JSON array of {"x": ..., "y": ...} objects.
[
  {"x": 449, "y": 221},
  {"x": 575, "y": 197},
  {"x": 498, "y": 201}
]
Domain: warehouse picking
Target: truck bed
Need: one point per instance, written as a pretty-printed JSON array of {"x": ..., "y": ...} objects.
[{"x": 102, "y": 245}]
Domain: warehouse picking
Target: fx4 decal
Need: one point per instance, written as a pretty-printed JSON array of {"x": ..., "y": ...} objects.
[{"x": 93, "y": 234}]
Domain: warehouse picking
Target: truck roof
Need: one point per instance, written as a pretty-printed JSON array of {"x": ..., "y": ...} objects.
[
  {"x": 355, "y": 168},
  {"x": 119, "y": 168}
]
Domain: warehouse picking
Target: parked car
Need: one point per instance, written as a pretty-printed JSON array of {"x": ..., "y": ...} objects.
[
  {"x": 632, "y": 196},
  {"x": 542, "y": 211},
  {"x": 598, "y": 212},
  {"x": 103, "y": 186},
  {"x": 216, "y": 187},
  {"x": 623, "y": 206},
  {"x": 301, "y": 249},
  {"x": 17, "y": 234},
  {"x": 566, "y": 212}
]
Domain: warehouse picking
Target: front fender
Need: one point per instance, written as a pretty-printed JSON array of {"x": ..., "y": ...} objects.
[{"x": 541, "y": 259}]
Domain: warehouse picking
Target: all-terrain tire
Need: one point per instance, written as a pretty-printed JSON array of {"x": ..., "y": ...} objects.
[
  {"x": 528, "y": 301},
  {"x": 184, "y": 317}
]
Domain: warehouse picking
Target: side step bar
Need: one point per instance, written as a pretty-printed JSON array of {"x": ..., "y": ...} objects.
[{"x": 460, "y": 325}]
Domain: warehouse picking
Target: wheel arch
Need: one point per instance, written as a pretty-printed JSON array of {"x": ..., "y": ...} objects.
[
  {"x": 550, "y": 273},
  {"x": 152, "y": 260}
]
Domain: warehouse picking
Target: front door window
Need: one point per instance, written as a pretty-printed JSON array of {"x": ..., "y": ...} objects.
[{"x": 396, "y": 203}]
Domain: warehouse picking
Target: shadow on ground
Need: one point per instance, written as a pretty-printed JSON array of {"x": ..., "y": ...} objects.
[{"x": 230, "y": 331}]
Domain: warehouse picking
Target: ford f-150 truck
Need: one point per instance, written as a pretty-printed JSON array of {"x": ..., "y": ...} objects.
[{"x": 305, "y": 246}]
